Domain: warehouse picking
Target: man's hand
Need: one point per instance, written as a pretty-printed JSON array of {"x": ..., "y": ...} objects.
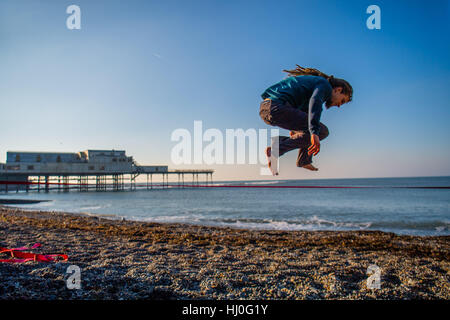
[{"x": 315, "y": 145}]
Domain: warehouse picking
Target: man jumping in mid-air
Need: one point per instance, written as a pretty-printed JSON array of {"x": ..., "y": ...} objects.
[{"x": 295, "y": 104}]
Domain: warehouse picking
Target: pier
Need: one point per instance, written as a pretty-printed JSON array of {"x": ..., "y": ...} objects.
[{"x": 91, "y": 170}]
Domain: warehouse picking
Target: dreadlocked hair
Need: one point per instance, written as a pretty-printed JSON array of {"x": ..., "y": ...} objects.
[{"x": 334, "y": 82}]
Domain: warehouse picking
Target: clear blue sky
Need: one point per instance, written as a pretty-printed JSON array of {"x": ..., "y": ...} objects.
[{"x": 137, "y": 70}]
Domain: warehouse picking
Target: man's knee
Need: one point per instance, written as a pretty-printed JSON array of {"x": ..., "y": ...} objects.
[
  {"x": 323, "y": 133},
  {"x": 265, "y": 113}
]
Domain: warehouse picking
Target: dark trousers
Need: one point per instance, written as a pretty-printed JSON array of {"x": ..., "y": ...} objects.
[{"x": 285, "y": 116}]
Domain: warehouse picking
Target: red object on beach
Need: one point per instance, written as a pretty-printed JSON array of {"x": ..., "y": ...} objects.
[{"x": 27, "y": 256}]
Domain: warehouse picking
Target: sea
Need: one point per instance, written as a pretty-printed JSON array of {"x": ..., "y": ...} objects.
[{"x": 399, "y": 205}]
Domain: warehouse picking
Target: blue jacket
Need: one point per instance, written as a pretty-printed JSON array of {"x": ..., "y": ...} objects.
[{"x": 307, "y": 93}]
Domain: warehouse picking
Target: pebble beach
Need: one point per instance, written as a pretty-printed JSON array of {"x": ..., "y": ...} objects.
[{"x": 129, "y": 260}]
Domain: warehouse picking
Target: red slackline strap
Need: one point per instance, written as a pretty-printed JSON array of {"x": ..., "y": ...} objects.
[{"x": 28, "y": 256}]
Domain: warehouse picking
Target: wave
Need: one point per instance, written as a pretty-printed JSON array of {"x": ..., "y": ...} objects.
[
  {"x": 313, "y": 223},
  {"x": 92, "y": 208},
  {"x": 436, "y": 225},
  {"x": 264, "y": 182},
  {"x": 242, "y": 183}
]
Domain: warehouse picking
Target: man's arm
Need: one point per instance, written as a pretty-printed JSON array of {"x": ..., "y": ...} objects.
[{"x": 319, "y": 96}]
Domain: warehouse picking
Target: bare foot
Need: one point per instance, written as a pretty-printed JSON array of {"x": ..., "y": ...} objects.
[
  {"x": 296, "y": 134},
  {"x": 310, "y": 167},
  {"x": 269, "y": 162},
  {"x": 268, "y": 154}
]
